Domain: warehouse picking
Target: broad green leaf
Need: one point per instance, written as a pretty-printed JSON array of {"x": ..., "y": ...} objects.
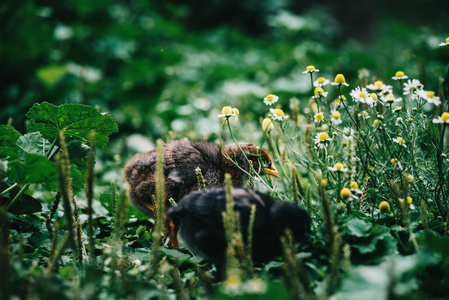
[
  {"x": 78, "y": 153},
  {"x": 76, "y": 121},
  {"x": 33, "y": 143},
  {"x": 364, "y": 282},
  {"x": 25, "y": 205},
  {"x": 78, "y": 180},
  {"x": 35, "y": 169},
  {"x": 178, "y": 255},
  {"x": 8, "y": 139},
  {"x": 358, "y": 228}
]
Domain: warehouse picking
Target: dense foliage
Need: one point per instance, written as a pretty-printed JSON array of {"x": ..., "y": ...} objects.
[{"x": 369, "y": 161}]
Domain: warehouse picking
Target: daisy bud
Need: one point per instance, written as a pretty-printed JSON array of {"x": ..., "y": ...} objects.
[
  {"x": 345, "y": 193},
  {"x": 267, "y": 124},
  {"x": 310, "y": 68},
  {"x": 339, "y": 79},
  {"x": 384, "y": 206}
]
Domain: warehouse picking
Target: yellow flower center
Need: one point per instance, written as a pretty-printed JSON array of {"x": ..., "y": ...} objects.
[
  {"x": 267, "y": 124},
  {"x": 384, "y": 206},
  {"x": 279, "y": 112},
  {"x": 324, "y": 127},
  {"x": 390, "y": 97},
  {"x": 319, "y": 91},
  {"x": 324, "y": 182},
  {"x": 400, "y": 140},
  {"x": 340, "y": 79},
  {"x": 362, "y": 95},
  {"x": 409, "y": 178},
  {"x": 345, "y": 193},
  {"x": 233, "y": 280},
  {"x": 354, "y": 185},
  {"x": 319, "y": 116},
  {"x": 321, "y": 80},
  {"x": 314, "y": 106},
  {"x": 270, "y": 97},
  {"x": 338, "y": 166},
  {"x": 399, "y": 74},
  {"x": 310, "y": 68},
  {"x": 336, "y": 114},
  {"x": 409, "y": 200},
  {"x": 394, "y": 161},
  {"x": 226, "y": 110},
  {"x": 447, "y": 40},
  {"x": 373, "y": 96},
  {"x": 430, "y": 94},
  {"x": 376, "y": 122},
  {"x": 364, "y": 113},
  {"x": 236, "y": 111},
  {"x": 378, "y": 83},
  {"x": 445, "y": 116},
  {"x": 337, "y": 101},
  {"x": 323, "y": 136}
]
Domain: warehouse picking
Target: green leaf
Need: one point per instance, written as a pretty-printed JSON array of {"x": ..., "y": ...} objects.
[
  {"x": 50, "y": 75},
  {"x": 8, "y": 139},
  {"x": 25, "y": 205},
  {"x": 35, "y": 169},
  {"x": 172, "y": 253},
  {"x": 33, "y": 143},
  {"x": 76, "y": 121},
  {"x": 358, "y": 228},
  {"x": 78, "y": 153},
  {"x": 78, "y": 180},
  {"x": 364, "y": 282}
]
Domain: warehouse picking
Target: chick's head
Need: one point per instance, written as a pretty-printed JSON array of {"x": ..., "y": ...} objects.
[{"x": 261, "y": 160}]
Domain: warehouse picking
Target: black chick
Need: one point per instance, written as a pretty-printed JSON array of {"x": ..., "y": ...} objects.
[
  {"x": 181, "y": 158},
  {"x": 202, "y": 231}
]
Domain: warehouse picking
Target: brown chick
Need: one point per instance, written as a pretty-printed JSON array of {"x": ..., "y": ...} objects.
[{"x": 181, "y": 158}]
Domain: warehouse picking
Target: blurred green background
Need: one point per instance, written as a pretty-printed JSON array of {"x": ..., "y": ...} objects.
[{"x": 158, "y": 66}]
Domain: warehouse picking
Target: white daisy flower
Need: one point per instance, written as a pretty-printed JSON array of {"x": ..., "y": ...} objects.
[
  {"x": 443, "y": 119},
  {"x": 445, "y": 44},
  {"x": 338, "y": 167},
  {"x": 364, "y": 115},
  {"x": 311, "y": 69},
  {"x": 389, "y": 98},
  {"x": 348, "y": 133},
  {"x": 336, "y": 117},
  {"x": 229, "y": 111},
  {"x": 320, "y": 82},
  {"x": 429, "y": 96},
  {"x": 361, "y": 95},
  {"x": 378, "y": 86},
  {"x": 339, "y": 80},
  {"x": 319, "y": 117},
  {"x": 397, "y": 109},
  {"x": 399, "y": 76},
  {"x": 278, "y": 114},
  {"x": 136, "y": 263},
  {"x": 322, "y": 139},
  {"x": 396, "y": 164},
  {"x": 400, "y": 141},
  {"x": 411, "y": 86},
  {"x": 256, "y": 286},
  {"x": 270, "y": 99},
  {"x": 354, "y": 186},
  {"x": 319, "y": 92}
]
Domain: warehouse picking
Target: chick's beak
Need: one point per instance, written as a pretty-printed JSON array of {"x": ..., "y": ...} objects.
[{"x": 272, "y": 171}]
